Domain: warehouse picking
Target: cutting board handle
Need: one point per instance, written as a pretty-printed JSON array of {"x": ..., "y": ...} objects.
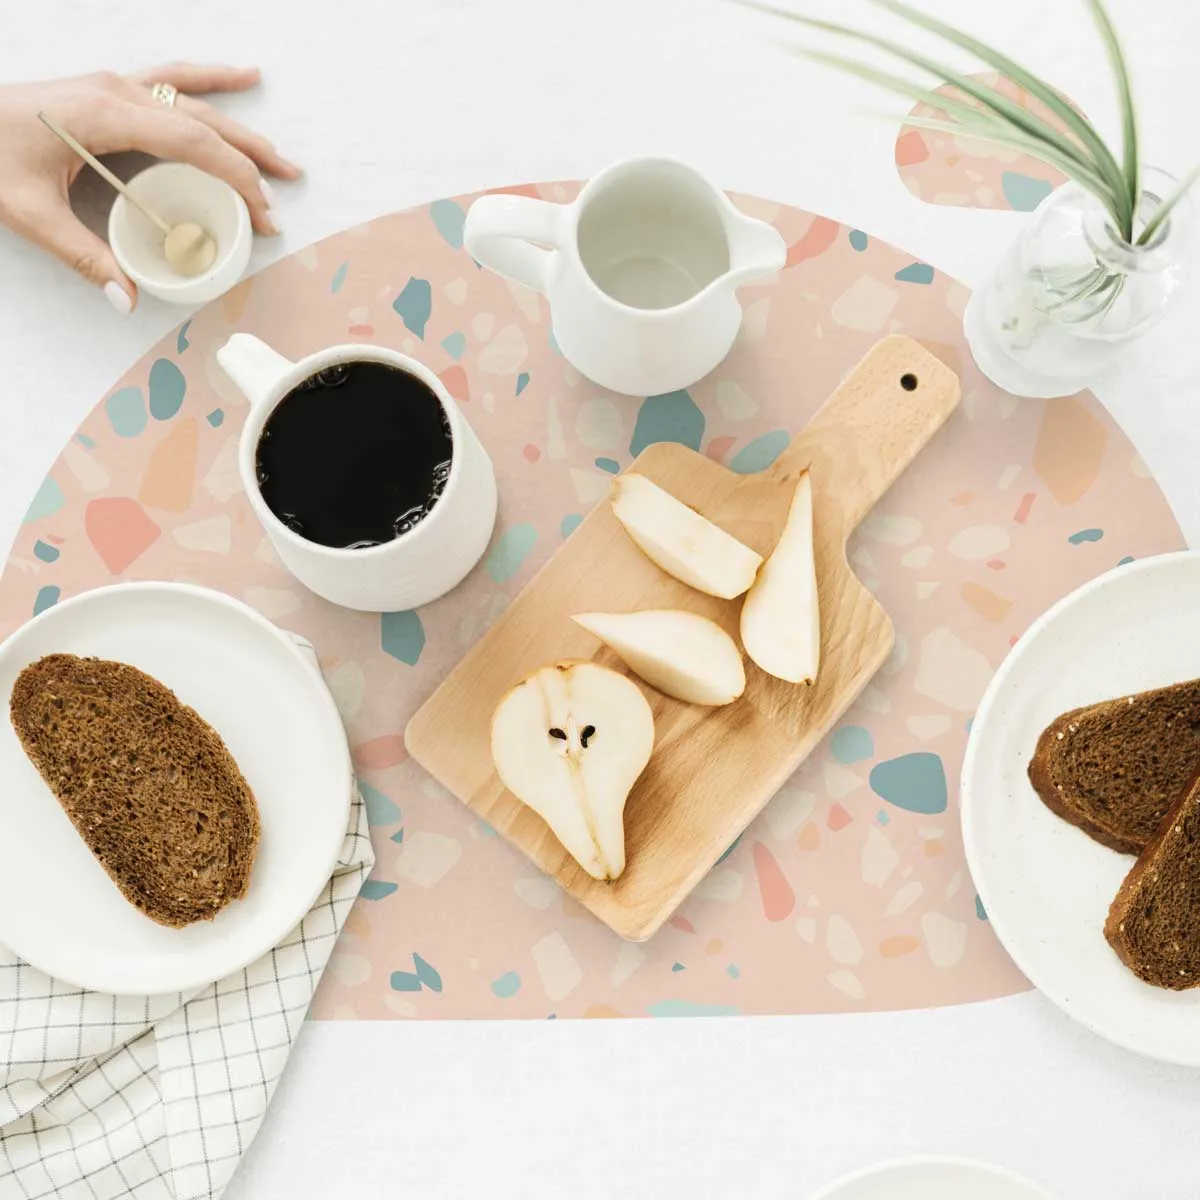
[{"x": 872, "y": 427}]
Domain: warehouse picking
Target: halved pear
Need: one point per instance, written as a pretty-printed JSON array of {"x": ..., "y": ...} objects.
[
  {"x": 781, "y": 622},
  {"x": 570, "y": 741},
  {"x": 681, "y": 541},
  {"x": 680, "y": 653}
]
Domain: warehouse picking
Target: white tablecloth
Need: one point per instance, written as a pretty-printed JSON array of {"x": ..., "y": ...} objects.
[{"x": 394, "y": 102}]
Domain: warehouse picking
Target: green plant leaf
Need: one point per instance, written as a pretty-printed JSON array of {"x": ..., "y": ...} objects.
[
  {"x": 1163, "y": 211},
  {"x": 1107, "y": 294},
  {"x": 1075, "y": 121},
  {"x": 1001, "y": 105},
  {"x": 1096, "y": 281},
  {"x": 1015, "y": 141},
  {"x": 1090, "y": 150},
  {"x": 971, "y": 121},
  {"x": 960, "y": 110},
  {"x": 1129, "y": 135}
]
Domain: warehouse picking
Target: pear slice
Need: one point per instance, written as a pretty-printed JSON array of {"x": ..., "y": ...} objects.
[
  {"x": 781, "y": 623},
  {"x": 570, "y": 741},
  {"x": 680, "y": 541},
  {"x": 680, "y": 653}
]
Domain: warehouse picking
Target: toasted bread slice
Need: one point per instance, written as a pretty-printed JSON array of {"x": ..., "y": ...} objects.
[
  {"x": 1154, "y": 922},
  {"x": 148, "y": 784},
  {"x": 1116, "y": 768}
]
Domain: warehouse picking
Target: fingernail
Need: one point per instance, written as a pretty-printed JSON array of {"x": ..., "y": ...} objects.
[
  {"x": 118, "y": 297},
  {"x": 270, "y": 219}
]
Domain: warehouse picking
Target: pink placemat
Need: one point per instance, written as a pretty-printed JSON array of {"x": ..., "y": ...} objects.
[{"x": 850, "y": 892}]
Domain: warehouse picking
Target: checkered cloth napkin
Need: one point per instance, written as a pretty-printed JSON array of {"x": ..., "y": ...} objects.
[{"x": 156, "y": 1097}]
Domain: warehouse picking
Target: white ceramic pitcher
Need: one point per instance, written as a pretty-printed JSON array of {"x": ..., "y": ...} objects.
[
  {"x": 412, "y": 569},
  {"x": 640, "y": 270}
]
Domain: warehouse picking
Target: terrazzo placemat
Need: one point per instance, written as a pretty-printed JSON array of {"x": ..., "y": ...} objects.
[{"x": 850, "y": 891}]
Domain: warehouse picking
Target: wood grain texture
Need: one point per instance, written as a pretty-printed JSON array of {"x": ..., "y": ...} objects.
[{"x": 712, "y": 770}]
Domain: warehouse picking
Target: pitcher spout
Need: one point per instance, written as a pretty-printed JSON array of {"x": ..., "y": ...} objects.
[{"x": 755, "y": 248}]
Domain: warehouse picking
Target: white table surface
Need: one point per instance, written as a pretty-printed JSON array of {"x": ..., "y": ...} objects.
[{"x": 391, "y": 103}]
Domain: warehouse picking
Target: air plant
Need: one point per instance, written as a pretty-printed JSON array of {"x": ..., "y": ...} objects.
[
  {"x": 975, "y": 110},
  {"x": 972, "y": 109}
]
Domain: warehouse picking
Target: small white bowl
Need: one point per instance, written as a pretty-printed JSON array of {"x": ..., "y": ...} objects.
[{"x": 179, "y": 192}]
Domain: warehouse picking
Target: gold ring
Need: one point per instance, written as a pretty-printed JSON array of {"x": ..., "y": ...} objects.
[{"x": 164, "y": 93}]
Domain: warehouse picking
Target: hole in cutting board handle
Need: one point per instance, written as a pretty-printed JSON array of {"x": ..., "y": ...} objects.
[{"x": 908, "y": 382}]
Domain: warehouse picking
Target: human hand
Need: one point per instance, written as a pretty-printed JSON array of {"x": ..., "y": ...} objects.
[{"x": 108, "y": 113}]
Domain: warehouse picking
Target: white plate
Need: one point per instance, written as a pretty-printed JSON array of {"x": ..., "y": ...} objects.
[
  {"x": 932, "y": 1179},
  {"x": 1045, "y": 884},
  {"x": 58, "y": 908}
]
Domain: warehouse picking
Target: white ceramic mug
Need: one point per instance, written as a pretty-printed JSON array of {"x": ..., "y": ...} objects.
[
  {"x": 639, "y": 270},
  {"x": 415, "y": 567}
]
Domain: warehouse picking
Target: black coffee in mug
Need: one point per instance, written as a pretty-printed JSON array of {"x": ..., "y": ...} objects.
[{"x": 355, "y": 455}]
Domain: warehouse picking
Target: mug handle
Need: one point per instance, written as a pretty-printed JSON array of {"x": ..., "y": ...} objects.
[
  {"x": 500, "y": 233},
  {"x": 253, "y": 366}
]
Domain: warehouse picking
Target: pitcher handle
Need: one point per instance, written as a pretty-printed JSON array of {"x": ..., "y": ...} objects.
[{"x": 500, "y": 233}]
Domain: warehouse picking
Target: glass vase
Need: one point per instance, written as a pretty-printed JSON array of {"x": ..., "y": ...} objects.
[{"x": 1070, "y": 292}]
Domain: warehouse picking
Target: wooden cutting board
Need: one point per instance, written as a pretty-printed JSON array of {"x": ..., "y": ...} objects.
[{"x": 713, "y": 769}]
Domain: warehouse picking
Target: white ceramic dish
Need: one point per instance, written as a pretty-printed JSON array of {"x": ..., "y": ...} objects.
[
  {"x": 249, "y": 680},
  {"x": 932, "y": 1178},
  {"x": 1046, "y": 885},
  {"x": 179, "y": 192}
]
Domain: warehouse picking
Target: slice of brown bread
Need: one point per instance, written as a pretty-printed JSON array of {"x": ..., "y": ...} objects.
[
  {"x": 148, "y": 784},
  {"x": 1116, "y": 768},
  {"x": 1154, "y": 922}
]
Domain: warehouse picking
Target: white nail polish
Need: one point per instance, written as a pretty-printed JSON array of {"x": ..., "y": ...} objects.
[
  {"x": 268, "y": 192},
  {"x": 118, "y": 297},
  {"x": 272, "y": 219}
]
